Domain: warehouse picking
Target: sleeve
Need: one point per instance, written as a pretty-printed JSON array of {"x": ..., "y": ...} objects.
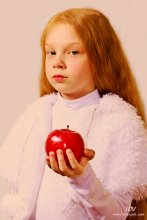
[
  {"x": 98, "y": 202},
  {"x": 12, "y": 148},
  {"x": 21, "y": 164},
  {"x": 129, "y": 161},
  {"x": 22, "y": 158}
]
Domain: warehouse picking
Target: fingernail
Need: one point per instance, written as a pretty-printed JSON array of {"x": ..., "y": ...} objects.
[
  {"x": 59, "y": 151},
  {"x": 51, "y": 154},
  {"x": 68, "y": 151}
]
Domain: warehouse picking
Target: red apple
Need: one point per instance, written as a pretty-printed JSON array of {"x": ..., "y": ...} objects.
[{"x": 65, "y": 139}]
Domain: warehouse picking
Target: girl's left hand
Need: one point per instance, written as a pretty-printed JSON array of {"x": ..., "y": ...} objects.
[{"x": 59, "y": 166}]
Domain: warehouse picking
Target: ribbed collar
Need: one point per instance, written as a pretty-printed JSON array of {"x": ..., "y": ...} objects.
[{"x": 89, "y": 99}]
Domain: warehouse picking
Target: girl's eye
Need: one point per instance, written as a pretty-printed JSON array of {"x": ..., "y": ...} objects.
[
  {"x": 52, "y": 53},
  {"x": 73, "y": 52}
]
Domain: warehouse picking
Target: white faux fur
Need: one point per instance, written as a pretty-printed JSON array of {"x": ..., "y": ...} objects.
[{"x": 117, "y": 135}]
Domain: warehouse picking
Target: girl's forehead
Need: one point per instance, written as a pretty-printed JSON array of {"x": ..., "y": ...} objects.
[
  {"x": 61, "y": 27},
  {"x": 62, "y": 32}
]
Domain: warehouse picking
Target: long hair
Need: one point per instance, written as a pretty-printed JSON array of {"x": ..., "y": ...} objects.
[
  {"x": 110, "y": 67},
  {"x": 111, "y": 70}
]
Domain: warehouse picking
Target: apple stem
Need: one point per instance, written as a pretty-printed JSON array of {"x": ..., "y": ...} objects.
[{"x": 68, "y": 127}]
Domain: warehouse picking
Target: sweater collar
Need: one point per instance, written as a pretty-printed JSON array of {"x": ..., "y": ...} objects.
[{"x": 89, "y": 99}]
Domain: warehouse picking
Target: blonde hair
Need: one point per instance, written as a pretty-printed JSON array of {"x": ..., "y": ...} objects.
[{"x": 111, "y": 70}]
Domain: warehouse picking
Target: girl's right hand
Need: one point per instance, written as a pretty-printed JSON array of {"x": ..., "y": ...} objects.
[{"x": 59, "y": 166}]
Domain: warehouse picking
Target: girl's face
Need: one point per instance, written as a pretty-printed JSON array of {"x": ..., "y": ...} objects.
[{"x": 67, "y": 65}]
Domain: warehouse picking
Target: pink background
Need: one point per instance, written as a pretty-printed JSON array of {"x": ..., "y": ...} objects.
[{"x": 21, "y": 24}]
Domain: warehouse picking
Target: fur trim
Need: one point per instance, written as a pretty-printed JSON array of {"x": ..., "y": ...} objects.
[
  {"x": 121, "y": 147},
  {"x": 23, "y": 148}
]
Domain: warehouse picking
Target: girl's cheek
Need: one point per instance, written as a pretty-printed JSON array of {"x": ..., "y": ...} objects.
[{"x": 48, "y": 68}]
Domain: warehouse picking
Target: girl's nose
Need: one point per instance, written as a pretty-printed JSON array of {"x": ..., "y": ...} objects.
[{"x": 59, "y": 64}]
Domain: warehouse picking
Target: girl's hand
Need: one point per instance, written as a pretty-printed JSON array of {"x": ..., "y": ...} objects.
[{"x": 59, "y": 166}]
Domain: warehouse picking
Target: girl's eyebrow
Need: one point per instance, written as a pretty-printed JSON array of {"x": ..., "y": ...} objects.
[{"x": 66, "y": 44}]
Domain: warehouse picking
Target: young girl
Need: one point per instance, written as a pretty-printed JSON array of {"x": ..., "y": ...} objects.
[{"x": 86, "y": 83}]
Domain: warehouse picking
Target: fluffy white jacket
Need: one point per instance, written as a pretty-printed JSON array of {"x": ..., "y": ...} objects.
[{"x": 117, "y": 135}]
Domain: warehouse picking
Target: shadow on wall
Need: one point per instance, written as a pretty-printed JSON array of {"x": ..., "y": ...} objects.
[{"x": 4, "y": 186}]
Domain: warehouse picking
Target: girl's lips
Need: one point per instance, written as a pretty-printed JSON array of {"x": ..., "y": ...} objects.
[
  {"x": 56, "y": 76},
  {"x": 59, "y": 77}
]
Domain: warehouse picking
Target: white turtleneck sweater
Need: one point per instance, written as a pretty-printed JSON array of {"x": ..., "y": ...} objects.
[{"x": 96, "y": 201}]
